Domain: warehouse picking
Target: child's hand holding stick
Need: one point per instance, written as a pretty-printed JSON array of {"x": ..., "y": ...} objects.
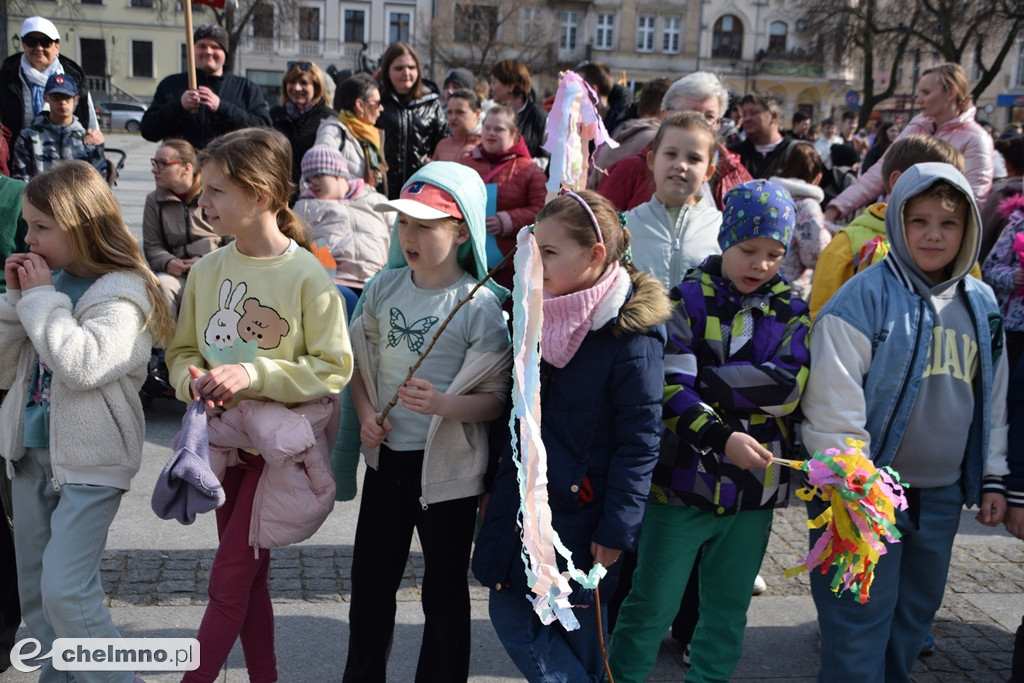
[{"x": 394, "y": 399}]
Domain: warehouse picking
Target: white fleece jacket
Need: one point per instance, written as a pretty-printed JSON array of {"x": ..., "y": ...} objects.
[{"x": 98, "y": 353}]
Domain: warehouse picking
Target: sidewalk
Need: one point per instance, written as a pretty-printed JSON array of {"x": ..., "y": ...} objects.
[{"x": 155, "y": 576}]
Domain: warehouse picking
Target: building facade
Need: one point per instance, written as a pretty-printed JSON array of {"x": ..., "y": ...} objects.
[{"x": 127, "y": 46}]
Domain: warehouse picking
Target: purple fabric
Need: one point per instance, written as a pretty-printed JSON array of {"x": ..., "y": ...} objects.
[{"x": 187, "y": 486}]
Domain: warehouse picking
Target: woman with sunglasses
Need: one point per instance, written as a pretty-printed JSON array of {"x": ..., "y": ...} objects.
[
  {"x": 174, "y": 233},
  {"x": 354, "y": 132},
  {"x": 303, "y": 107},
  {"x": 23, "y": 77}
]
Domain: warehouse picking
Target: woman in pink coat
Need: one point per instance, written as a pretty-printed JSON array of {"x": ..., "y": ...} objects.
[
  {"x": 948, "y": 114},
  {"x": 502, "y": 159}
]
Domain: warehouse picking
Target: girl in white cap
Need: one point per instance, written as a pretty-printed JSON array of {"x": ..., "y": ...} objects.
[{"x": 426, "y": 461}]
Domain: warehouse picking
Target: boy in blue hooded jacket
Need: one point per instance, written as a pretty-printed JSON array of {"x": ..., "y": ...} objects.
[{"x": 907, "y": 357}]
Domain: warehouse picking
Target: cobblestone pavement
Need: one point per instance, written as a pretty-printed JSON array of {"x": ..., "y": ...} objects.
[{"x": 971, "y": 645}]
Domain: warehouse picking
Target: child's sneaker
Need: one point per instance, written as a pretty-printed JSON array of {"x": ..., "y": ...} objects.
[
  {"x": 760, "y": 586},
  {"x": 686, "y": 655},
  {"x": 928, "y": 648}
]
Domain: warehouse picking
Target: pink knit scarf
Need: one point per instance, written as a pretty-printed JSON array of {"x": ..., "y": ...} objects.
[{"x": 568, "y": 318}]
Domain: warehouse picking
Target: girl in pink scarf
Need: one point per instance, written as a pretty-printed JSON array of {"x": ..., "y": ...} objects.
[{"x": 601, "y": 386}]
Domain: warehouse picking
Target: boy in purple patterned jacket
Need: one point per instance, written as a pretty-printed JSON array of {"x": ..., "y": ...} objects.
[{"x": 735, "y": 367}]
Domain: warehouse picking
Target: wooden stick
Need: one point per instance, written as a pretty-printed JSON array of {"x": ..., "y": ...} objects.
[
  {"x": 190, "y": 52},
  {"x": 789, "y": 463},
  {"x": 490, "y": 274},
  {"x": 600, "y": 633}
]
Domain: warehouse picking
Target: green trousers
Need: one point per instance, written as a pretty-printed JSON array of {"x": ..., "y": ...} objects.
[{"x": 733, "y": 547}]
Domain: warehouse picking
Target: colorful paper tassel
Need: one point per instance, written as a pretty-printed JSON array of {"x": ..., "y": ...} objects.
[{"x": 860, "y": 518}]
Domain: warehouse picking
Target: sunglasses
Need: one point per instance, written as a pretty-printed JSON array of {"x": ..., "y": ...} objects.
[
  {"x": 305, "y": 66},
  {"x": 30, "y": 42},
  {"x": 161, "y": 165}
]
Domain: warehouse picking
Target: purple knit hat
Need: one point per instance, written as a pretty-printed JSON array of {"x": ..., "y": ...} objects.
[{"x": 324, "y": 160}]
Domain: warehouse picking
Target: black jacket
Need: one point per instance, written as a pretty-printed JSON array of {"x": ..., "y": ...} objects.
[
  {"x": 532, "y": 122},
  {"x": 301, "y": 132},
  {"x": 620, "y": 102},
  {"x": 760, "y": 165},
  {"x": 411, "y": 132},
  {"x": 241, "y": 105},
  {"x": 12, "y": 107}
]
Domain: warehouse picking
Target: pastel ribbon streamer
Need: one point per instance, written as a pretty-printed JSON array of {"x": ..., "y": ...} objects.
[
  {"x": 860, "y": 518},
  {"x": 572, "y": 124},
  {"x": 541, "y": 544}
]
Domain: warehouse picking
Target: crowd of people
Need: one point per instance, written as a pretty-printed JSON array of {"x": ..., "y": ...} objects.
[{"x": 297, "y": 259}]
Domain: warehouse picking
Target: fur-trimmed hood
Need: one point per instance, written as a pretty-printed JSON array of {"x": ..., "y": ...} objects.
[{"x": 647, "y": 307}]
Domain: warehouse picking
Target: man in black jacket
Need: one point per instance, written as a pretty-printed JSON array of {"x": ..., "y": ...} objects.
[
  {"x": 221, "y": 103},
  {"x": 764, "y": 150},
  {"x": 23, "y": 77}
]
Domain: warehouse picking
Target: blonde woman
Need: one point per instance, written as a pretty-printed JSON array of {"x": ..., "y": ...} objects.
[
  {"x": 946, "y": 113},
  {"x": 303, "y": 106}
]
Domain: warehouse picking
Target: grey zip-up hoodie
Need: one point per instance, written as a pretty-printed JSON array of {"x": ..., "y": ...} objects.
[{"x": 932, "y": 449}]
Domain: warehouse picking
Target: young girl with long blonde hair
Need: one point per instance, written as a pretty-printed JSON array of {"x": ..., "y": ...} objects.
[{"x": 80, "y": 315}]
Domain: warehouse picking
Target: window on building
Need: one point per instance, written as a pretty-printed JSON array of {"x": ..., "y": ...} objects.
[
  {"x": 671, "y": 34},
  {"x": 475, "y": 23},
  {"x": 262, "y": 20},
  {"x": 268, "y": 81},
  {"x": 399, "y": 27},
  {"x": 727, "y": 37},
  {"x": 309, "y": 23},
  {"x": 142, "y": 59},
  {"x": 645, "y": 33},
  {"x": 354, "y": 29},
  {"x": 533, "y": 23},
  {"x": 94, "y": 56},
  {"x": 568, "y": 23},
  {"x": 777, "y": 33},
  {"x": 1019, "y": 79},
  {"x": 142, "y": 3},
  {"x": 605, "y": 39},
  {"x": 91, "y": 2}
]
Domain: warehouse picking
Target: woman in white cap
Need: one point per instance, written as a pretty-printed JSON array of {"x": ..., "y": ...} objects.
[{"x": 23, "y": 77}]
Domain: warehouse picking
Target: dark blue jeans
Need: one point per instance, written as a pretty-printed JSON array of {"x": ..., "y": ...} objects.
[
  {"x": 910, "y": 580},
  {"x": 548, "y": 653}
]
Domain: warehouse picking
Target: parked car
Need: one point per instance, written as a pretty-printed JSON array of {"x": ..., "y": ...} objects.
[{"x": 121, "y": 115}]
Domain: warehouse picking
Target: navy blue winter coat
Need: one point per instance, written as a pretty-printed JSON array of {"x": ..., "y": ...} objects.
[{"x": 601, "y": 422}]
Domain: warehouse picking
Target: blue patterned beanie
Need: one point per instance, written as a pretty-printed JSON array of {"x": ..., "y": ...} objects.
[{"x": 757, "y": 208}]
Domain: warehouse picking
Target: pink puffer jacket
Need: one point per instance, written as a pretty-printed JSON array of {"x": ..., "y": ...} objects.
[
  {"x": 296, "y": 489},
  {"x": 961, "y": 132}
]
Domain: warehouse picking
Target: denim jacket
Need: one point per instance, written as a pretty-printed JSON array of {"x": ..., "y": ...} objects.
[{"x": 869, "y": 351}]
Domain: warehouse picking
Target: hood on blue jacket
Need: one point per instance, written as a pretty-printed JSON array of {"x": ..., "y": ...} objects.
[
  {"x": 911, "y": 183},
  {"x": 466, "y": 187}
]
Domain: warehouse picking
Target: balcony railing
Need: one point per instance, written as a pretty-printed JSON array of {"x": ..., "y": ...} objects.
[
  {"x": 264, "y": 45},
  {"x": 311, "y": 48}
]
